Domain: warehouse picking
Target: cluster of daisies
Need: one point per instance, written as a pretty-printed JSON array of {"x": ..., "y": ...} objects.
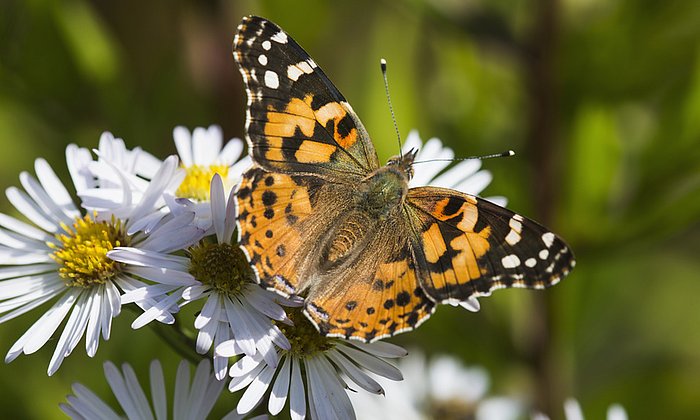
[{"x": 161, "y": 234}]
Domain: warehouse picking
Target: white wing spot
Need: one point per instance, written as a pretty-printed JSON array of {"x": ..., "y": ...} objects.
[
  {"x": 262, "y": 59},
  {"x": 530, "y": 262},
  {"x": 271, "y": 79},
  {"x": 510, "y": 261},
  {"x": 294, "y": 71},
  {"x": 512, "y": 238},
  {"x": 515, "y": 224},
  {"x": 280, "y": 37},
  {"x": 312, "y": 63},
  {"x": 548, "y": 239},
  {"x": 266, "y": 45},
  {"x": 544, "y": 254}
]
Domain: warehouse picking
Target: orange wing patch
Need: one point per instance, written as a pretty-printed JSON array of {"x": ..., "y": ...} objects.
[
  {"x": 269, "y": 207},
  {"x": 390, "y": 303},
  {"x": 452, "y": 245}
]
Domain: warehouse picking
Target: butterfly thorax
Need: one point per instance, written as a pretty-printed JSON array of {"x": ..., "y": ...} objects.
[{"x": 378, "y": 200}]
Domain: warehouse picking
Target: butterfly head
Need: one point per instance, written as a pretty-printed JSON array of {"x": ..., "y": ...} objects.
[{"x": 404, "y": 162}]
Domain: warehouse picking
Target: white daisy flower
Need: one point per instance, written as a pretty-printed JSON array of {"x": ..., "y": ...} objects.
[
  {"x": 63, "y": 256},
  {"x": 190, "y": 401},
  {"x": 237, "y": 310},
  {"x": 111, "y": 153},
  {"x": 202, "y": 156},
  {"x": 312, "y": 373},
  {"x": 465, "y": 176},
  {"x": 116, "y": 183},
  {"x": 572, "y": 411},
  {"x": 442, "y": 388}
]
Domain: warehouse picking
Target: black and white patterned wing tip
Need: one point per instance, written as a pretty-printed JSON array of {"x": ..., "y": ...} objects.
[{"x": 523, "y": 252}]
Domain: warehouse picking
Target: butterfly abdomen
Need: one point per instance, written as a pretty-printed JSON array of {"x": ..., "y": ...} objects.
[{"x": 346, "y": 240}]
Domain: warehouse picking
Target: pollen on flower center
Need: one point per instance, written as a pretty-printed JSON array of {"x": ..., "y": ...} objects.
[
  {"x": 197, "y": 181},
  {"x": 222, "y": 266},
  {"x": 304, "y": 338},
  {"x": 82, "y": 251}
]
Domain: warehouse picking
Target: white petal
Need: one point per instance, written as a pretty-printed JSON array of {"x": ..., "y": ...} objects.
[
  {"x": 164, "y": 275},
  {"x": 54, "y": 187},
  {"x": 210, "y": 310},
  {"x": 572, "y": 410},
  {"x": 498, "y": 200},
  {"x": 183, "y": 144},
  {"x": 412, "y": 141},
  {"x": 456, "y": 174},
  {"x": 238, "y": 383},
  {"x": 382, "y": 349},
  {"x": 147, "y": 258},
  {"x": 297, "y": 394},
  {"x": 93, "y": 403},
  {"x": 239, "y": 326},
  {"x": 471, "y": 304},
  {"x": 354, "y": 373},
  {"x": 243, "y": 366},
  {"x": 92, "y": 333},
  {"x": 43, "y": 200},
  {"x": 280, "y": 389},
  {"x": 160, "y": 402},
  {"x": 204, "y": 141},
  {"x": 138, "y": 397},
  {"x": 23, "y": 229},
  {"x": 77, "y": 159},
  {"x": 44, "y": 328},
  {"x": 328, "y": 396},
  {"x": 616, "y": 412},
  {"x": 231, "y": 152},
  {"x": 256, "y": 390},
  {"x": 30, "y": 209},
  {"x": 218, "y": 207},
  {"x": 475, "y": 183},
  {"x": 372, "y": 363}
]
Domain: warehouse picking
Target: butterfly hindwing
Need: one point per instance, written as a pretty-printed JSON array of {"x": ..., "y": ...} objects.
[
  {"x": 467, "y": 246},
  {"x": 270, "y": 208},
  {"x": 297, "y": 120},
  {"x": 380, "y": 300}
]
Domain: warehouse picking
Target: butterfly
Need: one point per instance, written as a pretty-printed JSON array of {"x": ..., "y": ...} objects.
[{"x": 319, "y": 216}]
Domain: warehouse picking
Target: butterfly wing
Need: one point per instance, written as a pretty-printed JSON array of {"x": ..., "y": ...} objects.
[
  {"x": 297, "y": 120},
  {"x": 284, "y": 222},
  {"x": 276, "y": 223},
  {"x": 379, "y": 296},
  {"x": 467, "y": 246}
]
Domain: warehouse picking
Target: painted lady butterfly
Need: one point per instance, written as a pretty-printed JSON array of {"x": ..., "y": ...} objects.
[{"x": 319, "y": 216}]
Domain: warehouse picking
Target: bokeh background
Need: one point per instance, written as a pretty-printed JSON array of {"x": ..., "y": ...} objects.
[{"x": 600, "y": 99}]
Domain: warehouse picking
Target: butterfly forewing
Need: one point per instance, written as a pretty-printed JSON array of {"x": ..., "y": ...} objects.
[
  {"x": 467, "y": 246},
  {"x": 297, "y": 121}
]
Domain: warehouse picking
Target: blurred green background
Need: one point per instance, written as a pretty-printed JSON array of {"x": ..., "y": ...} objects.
[{"x": 600, "y": 99}]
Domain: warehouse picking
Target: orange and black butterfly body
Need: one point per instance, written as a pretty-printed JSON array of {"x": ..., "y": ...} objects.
[{"x": 318, "y": 216}]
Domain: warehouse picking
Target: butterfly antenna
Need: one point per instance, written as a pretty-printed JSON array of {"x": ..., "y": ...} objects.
[
  {"x": 507, "y": 153},
  {"x": 382, "y": 62}
]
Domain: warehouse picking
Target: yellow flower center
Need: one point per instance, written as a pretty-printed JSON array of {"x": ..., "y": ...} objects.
[
  {"x": 197, "y": 179},
  {"x": 222, "y": 266},
  {"x": 303, "y": 336},
  {"x": 82, "y": 251}
]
